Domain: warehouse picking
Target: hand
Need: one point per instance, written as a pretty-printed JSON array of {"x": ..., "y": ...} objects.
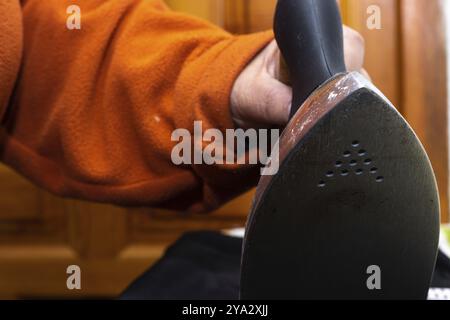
[{"x": 261, "y": 97}]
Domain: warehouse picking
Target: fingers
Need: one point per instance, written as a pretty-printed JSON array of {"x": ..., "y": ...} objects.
[
  {"x": 276, "y": 107},
  {"x": 266, "y": 102},
  {"x": 259, "y": 97},
  {"x": 274, "y": 63},
  {"x": 280, "y": 68},
  {"x": 365, "y": 74},
  {"x": 354, "y": 49},
  {"x": 276, "y": 103}
]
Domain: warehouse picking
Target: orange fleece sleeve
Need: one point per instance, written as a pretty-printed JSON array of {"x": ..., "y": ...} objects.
[
  {"x": 10, "y": 49},
  {"x": 94, "y": 109}
]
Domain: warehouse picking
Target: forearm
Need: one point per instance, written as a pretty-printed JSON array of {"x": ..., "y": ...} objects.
[{"x": 94, "y": 109}]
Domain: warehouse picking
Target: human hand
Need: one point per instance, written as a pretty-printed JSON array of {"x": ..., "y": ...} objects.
[{"x": 261, "y": 96}]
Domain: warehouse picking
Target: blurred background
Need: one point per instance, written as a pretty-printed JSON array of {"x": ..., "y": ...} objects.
[{"x": 40, "y": 234}]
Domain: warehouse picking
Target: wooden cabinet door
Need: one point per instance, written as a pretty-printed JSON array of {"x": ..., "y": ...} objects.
[{"x": 41, "y": 235}]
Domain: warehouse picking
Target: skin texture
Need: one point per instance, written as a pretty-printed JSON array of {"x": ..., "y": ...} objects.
[{"x": 261, "y": 96}]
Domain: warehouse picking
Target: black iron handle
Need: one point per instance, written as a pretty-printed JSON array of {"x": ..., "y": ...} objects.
[{"x": 309, "y": 35}]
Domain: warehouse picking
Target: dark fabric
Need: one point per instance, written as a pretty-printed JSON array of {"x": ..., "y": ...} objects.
[
  {"x": 205, "y": 266},
  {"x": 199, "y": 266},
  {"x": 441, "y": 276}
]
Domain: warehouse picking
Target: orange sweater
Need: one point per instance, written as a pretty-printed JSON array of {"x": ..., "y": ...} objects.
[{"x": 93, "y": 110}]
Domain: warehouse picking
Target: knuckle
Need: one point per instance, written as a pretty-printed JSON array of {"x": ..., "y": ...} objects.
[{"x": 354, "y": 37}]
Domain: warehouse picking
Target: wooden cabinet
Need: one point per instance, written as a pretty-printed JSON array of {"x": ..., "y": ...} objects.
[{"x": 41, "y": 235}]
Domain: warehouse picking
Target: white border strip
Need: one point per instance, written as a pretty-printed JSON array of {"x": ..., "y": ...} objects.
[{"x": 446, "y": 5}]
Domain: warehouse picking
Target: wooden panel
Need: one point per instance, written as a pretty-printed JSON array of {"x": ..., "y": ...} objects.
[
  {"x": 40, "y": 272},
  {"x": 245, "y": 16},
  {"x": 107, "y": 242},
  {"x": 21, "y": 206},
  {"x": 211, "y": 10},
  {"x": 27, "y": 213},
  {"x": 425, "y": 83},
  {"x": 156, "y": 226},
  {"x": 382, "y": 59},
  {"x": 261, "y": 15}
]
